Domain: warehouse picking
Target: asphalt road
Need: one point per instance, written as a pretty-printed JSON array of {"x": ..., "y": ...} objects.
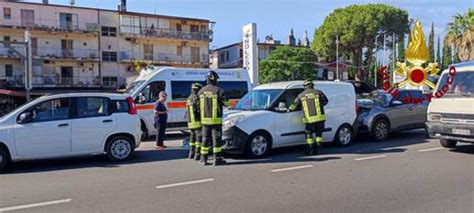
[{"x": 408, "y": 173}]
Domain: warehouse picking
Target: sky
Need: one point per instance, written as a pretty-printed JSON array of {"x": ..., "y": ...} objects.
[{"x": 277, "y": 17}]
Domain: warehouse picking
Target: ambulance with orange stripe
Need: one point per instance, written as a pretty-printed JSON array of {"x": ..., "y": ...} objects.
[{"x": 176, "y": 82}]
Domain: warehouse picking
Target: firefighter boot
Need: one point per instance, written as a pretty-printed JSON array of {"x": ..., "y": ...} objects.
[
  {"x": 317, "y": 148},
  {"x": 218, "y": 161},
  {"x": 191, "y": 153},
  {"x": 204, "y": 160},
  {"x": 309, "y": 150}
]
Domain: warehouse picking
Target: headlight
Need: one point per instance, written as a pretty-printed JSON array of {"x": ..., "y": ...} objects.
[
  {"x": 228, "y": 123},
  {"x": 434, "y": 117}
]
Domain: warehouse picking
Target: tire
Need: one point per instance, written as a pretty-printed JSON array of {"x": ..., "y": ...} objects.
[
  {"x": 344, "y": 135},
  {"x": 446, "y": 143},
  {"x": 258, "y": 145},
  {"x": 380, "y": 130},
  {"x": 145, "y": 134},
  {"x": 4, "y": 160},
  {"x": 120, "y": 148}
]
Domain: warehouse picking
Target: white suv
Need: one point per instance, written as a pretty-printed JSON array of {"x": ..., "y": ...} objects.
[{"x": 70, "y": 125}]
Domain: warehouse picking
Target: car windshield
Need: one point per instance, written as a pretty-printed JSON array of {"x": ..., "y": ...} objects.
[
  {"x": 134, "y": 86},
  {"x": 258, "y": 99},
  {"x": 462, "y": 86}
]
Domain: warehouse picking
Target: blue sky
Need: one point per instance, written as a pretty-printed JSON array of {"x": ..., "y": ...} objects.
[{"x": 277, "y": 17}]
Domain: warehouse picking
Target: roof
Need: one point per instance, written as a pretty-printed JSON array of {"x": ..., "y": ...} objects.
[
  {"x": 295, "y": 84},
  {"x": 110, "y": 10},
  {"x": 97, "y": 94},
  {"x": 465, "y": 66}
]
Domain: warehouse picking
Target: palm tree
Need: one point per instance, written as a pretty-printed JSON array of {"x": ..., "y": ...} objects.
[{"x": 461, "y": 34}]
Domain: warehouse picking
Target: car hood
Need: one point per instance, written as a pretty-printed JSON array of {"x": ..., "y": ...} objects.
[{"x": 236, "y": 113}]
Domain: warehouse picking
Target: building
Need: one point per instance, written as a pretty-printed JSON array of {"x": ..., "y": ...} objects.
[{"x": 88, "y": 48}]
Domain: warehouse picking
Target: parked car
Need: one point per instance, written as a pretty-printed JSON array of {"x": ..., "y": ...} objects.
[
  {"x": 70, "y": 125},
  {"x": 261, "y": 120},
  {"x": 362, "y": 89},
  {"x": 384, "y": 114},
  {"x": 451, "y": 117}
]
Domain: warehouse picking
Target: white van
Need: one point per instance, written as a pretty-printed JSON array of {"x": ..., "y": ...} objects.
[
  {"x": 176, "y": 82},
  {"x": 451, "y": 117},
  {"x": 261, "y": 121}
]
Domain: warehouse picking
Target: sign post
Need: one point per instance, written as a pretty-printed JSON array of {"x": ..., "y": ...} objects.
[{"x": 249, "y": 42}]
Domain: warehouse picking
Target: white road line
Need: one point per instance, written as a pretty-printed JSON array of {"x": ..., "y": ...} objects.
[
  {"x": 27, "y": 206},
  {"x": 292, "y": 168},
  {"x": 372, "y": 157},
  {"x": 430, "y": 149},
  {"x": 184, "y": 183}
]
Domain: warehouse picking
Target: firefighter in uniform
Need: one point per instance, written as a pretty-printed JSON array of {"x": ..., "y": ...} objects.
[
  {"x": 313, "y": 102},
  {"x": 211, "y": 102},
  {"x": 194, "y": 122}
]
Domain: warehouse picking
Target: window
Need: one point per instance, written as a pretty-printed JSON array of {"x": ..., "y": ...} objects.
[
  {"x": 7, "y": 13},
  {"x": 92, "y": 107},
  {"x": 68, "y": 21},
  {"x": 179, "y": 27},
  {"x": 109, "y": 56},
  {"x": 180, "y": 90},
  {"x": 194, "y": 28},
  {"x": 109, "y": 81},
  {"x": 109, "y": 31},
  {"x": 288, "y": 97},
  {"x": 8, "y": 70},
  {"x": 222, "y": 56},
  {"x": 227, "y": 56},
  {"x": 52, "y": 110},
  {"x": 150, "y": 93},
  {"x": 148, "y": 51},
  {"x": 179, "y": 50},
  {"x": 118, "y": 106},
  {"x": 67, "y": 48}
]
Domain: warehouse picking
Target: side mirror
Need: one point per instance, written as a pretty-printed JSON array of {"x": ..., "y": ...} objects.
[
  {"x": 25, "y": 117},
  {"x": 397, "y": 103}
]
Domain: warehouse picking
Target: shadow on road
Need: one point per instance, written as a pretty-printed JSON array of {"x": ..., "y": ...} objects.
[{"x": 464, "y": 148}]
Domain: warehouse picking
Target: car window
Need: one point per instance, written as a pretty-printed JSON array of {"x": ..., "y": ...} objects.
[
  {"x": 52, "y": 110},
  {"x": 288, "y": 97},
  {"x": 118, "y": 106},
  {"x": 92, "y": 107},
  {"x": 151, "y": 92}
]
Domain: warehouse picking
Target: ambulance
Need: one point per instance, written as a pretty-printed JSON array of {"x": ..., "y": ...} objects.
[{"x": 176, "y": 82}]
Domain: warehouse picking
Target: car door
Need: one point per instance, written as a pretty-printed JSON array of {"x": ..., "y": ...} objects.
[
  {"x": 91, "y": 124},
  {"x": 48, "y": 132},
  {"x": 418, "y": 114},
  {"x": 289, "y": 126},
  {"x": 398, "y": 113}
]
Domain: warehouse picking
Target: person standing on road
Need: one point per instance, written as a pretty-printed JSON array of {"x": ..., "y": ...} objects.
[
  {"x": 211, "y": 102},
  {"x": 194, "y": 122},
  {"x": 161, "y": 117},
  {"x": 313, "y": 102}
]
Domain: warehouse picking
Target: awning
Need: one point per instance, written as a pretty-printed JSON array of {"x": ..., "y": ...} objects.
[{"x": 12, "y": 93}]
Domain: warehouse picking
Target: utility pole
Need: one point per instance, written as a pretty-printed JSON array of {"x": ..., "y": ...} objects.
[
  {"x": 393, "y": 58},
  {"x": 337, "y": 56},
  {"x": 375, "y": 66},
  {"x": 28, "y": 66}
]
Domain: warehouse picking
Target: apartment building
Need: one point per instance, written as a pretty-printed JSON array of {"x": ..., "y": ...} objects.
[{"x": 89, "y": 48}]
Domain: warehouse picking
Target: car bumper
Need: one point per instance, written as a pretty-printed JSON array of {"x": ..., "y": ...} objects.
[
  {"x": 234, "y": 140},
  {"x": 445, "y": 131}
]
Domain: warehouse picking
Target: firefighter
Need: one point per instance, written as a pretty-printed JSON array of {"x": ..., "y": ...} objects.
[
  {"x": 194, "y": 122},
  {"x": 313, "y": 102},
  {"x": 211, "y": 102}
]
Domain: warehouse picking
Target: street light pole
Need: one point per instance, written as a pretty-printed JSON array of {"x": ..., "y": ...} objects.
[
  {"x": 28, "y": 66},
  {"x": 375, "y": 67},
  {"x": 337, "y": 56}
]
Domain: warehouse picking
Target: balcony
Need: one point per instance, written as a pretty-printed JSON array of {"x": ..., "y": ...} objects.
[
  {"x": 135, "y": 31},
  {"x": 162, "y": 58},
  {"x": 53, "y": 53},
  {"x": 51, "y": 81},
  {"x": 50, "y": 25}
]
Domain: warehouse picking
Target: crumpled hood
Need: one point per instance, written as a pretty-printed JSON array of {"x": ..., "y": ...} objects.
[{"x": 235, "y": 113}]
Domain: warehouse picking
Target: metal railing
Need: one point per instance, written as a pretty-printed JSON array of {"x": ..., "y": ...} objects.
[
  {"x": 53, "y": 53},
  {"x": 56, "y": 81},
  {"x": 50, "y": 25},
  {"x": 165, "y": 58},
  {"x": 165, "y": 33}
]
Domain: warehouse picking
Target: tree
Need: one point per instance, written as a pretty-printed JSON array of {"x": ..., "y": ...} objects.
[
  {"x": 446, "y": 56},
  {"x": 438, "y": 53},
  {"x": 431, "y": 44},
  {"x": 401, "y": 47},
  {"x": 461, "y": 34},
  {"x": 357, "y": 26},
  {"x": 288, "y": 63}
]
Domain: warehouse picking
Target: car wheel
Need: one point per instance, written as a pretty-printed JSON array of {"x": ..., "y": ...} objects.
[
  {"x": 344, "y": 135},
  {"x": 120, "y": 148},
  {"x": 258, "y": 145},
  {"x": 380, "y": 130},
  {"x": 446, "y": 143},
  {"x": 4, "y": 159}
]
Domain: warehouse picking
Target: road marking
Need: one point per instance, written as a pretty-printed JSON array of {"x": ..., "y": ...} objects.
[
  {"x": 372, "y": 157},
  {"x": 430, "y": 149},
  {"x": 184, "y": 183},
  {"x": 27, "y": 206},
  {"x": 292, "y": 168}
]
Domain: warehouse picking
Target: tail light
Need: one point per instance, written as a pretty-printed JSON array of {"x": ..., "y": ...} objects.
[
  {"x": 357, "y": 108},
  {"x": 132, "y": 110}
]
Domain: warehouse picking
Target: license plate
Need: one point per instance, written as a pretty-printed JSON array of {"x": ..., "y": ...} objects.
[{"x": 461, "y": 131}]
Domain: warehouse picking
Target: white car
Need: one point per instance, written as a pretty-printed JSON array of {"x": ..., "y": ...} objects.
[
  {"x": 261, "y": 120},
  {"x": 70, "y": 125}
]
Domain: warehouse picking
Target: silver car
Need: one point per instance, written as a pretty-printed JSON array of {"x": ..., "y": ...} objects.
[{"x": 384, "y": 114}]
